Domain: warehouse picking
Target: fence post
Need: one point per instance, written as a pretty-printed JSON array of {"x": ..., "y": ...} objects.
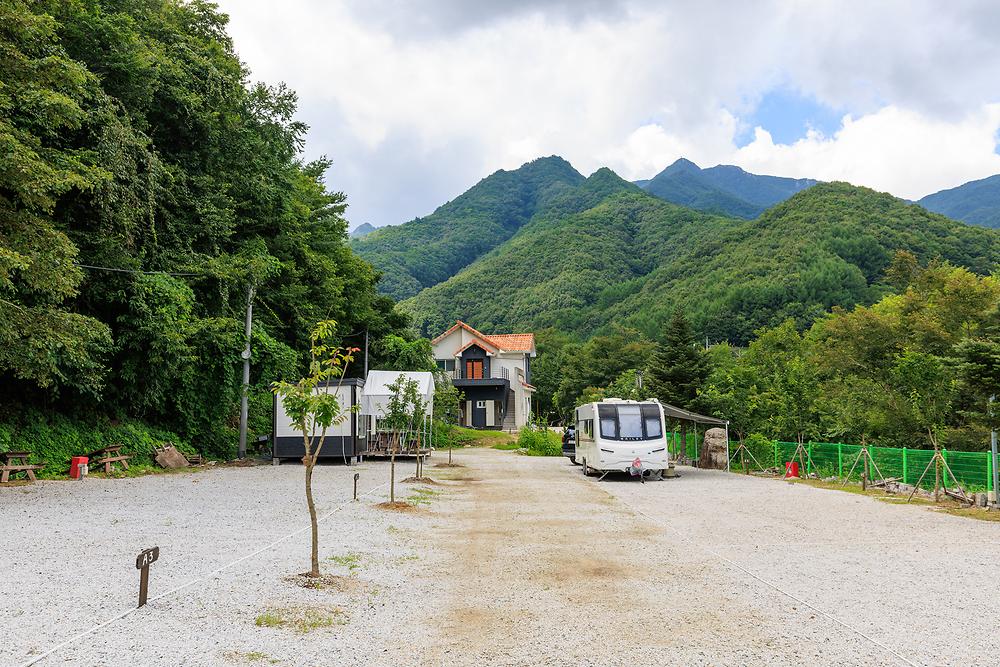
[
  {"x": 989, "y": 472},
  {"x": 777, "y": 464},
  {"x": 840, "y": 459},
  {"x": 905, "y": 479},
  {"x": 809, "y": 459}
]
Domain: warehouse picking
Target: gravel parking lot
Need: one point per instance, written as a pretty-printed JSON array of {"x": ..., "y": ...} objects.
[{"x": 509, "y": 560}]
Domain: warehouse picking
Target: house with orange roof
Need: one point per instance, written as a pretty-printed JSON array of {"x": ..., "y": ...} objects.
[{"x": 493, "y": 371}]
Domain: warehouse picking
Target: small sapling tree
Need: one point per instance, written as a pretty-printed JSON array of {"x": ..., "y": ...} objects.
[
  {"x": 313, "y": 409},
  {"x": 447, "y": 402},
  {"x": 403, "y": 413}
]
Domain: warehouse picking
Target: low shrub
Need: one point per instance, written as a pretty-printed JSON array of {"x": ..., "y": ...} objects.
[{"x": 539, "y": 441}]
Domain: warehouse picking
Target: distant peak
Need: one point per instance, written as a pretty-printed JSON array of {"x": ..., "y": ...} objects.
[{"x": 680, "y": 166}]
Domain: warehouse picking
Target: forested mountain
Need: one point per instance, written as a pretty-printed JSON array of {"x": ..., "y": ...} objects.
[
  {"x": 361, "y": 230},
  {"x": 723, "y": 189},
  {"x": 632, "y": 258},
  {"x": 426, "y": 251},
  {"x": 145, "y": 185},
  {"x": 975, "y": 202}
]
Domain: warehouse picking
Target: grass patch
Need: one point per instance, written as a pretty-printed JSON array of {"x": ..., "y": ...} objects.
[
  {"x": 301, "y": 619},
  {"x": 423, "y": 496},
  {"x": 250, "y": 656},
  {"x": 351, "y": 561},
  {"x": 470, "y": 437}
]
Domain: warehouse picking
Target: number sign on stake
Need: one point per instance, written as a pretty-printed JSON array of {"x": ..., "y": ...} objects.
[{"x": 142, "y": 563}]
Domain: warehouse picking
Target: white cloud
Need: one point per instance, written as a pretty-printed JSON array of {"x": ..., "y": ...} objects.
[
  {"x": 416, "y": 105},
  {"x": 899, "y": 151}
]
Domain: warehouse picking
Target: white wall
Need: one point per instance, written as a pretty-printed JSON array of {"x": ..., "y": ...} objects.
[{"x": 283, "y": 425}]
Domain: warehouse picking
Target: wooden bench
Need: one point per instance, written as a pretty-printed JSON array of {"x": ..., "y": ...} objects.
[
  {"x": 16, "y": 463},
  {"x": 109, "y": 456}
]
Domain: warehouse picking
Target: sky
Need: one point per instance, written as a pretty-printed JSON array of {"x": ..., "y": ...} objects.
[{"x": 414, "y": 102}]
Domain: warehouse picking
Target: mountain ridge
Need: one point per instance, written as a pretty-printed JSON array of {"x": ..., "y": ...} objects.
[{"x": 632, "y": 258}]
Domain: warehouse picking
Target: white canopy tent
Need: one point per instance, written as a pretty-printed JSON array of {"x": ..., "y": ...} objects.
[
  {"x": 375, "y": 403},
  {"x": 376, "y": 394}
]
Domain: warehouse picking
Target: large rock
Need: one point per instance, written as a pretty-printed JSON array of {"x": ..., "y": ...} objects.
[{"x": 713, "y": 452}]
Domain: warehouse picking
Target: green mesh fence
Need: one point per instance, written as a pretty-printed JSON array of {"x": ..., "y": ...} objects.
[{"x": 829, "y": 459}]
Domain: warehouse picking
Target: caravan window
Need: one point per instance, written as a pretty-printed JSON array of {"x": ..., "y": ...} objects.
[
  {"x": 609, "y": 421},
  {"x": 651, "y": 422},
  {"x": 630, "y": 422}
]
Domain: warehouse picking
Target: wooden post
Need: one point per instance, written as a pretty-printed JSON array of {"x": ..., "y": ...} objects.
[{"x": 864, "y": 472}]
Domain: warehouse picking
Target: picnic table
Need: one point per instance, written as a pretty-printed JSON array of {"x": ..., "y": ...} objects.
[
  {"x": 109, "y": 456},
  {"x": 15, "y": 463}
]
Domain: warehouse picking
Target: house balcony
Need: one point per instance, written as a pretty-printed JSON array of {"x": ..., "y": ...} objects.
[{"x": 501, "y": 374}]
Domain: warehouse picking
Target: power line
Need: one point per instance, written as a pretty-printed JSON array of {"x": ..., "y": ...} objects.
[{"x": 147, "y": 273}]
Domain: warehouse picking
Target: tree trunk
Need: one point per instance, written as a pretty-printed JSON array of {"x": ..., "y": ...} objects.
[
  {"x": 450, "y": 447},
  {"x": 314, "y": 571},
  {"x": 392, "y": 470}
]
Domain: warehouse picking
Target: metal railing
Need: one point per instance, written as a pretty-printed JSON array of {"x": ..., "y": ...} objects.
[{"x": 502, "y": 373}]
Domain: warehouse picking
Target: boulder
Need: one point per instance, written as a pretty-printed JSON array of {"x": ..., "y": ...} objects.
[{"x": 713, "y": 452}]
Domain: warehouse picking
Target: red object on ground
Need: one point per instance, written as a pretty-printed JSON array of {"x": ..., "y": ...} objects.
[
  {"x": 791, "y": 469},
  {"x": 74, "y": 466}
]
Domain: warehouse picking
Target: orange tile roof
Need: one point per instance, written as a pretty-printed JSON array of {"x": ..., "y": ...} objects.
[{"x": 519, "y": 342}]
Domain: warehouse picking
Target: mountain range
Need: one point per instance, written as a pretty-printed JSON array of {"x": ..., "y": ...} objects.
[
  {"x": 723, "y": 189},
  {"x": 975, "y": 202},
  {"x": 544, "y": 246}
]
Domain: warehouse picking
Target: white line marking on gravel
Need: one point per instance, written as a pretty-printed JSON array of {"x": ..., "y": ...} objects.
[
  {"x": 743, "y": 569},
  {"x": 204, "y": 577}
]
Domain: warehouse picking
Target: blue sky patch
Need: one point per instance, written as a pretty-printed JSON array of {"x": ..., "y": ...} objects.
[{"x": 788, "y": 115}]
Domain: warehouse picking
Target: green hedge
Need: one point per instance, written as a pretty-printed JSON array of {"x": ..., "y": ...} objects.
[{"x": 53, "y": 439}]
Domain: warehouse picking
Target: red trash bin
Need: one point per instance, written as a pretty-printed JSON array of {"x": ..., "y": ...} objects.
[
  {"x": 74, "y": 466},
  {"x": 791, "y": 469}
]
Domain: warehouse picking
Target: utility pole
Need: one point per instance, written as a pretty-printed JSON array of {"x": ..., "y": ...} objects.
[
  {"x": 246, "y": 374},
  {"x": 993, "y": 452}
]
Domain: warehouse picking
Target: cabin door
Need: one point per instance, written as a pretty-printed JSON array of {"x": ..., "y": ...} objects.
[
  {"x": 479, "y": 414},
  {"x": 474, "y": 369}
]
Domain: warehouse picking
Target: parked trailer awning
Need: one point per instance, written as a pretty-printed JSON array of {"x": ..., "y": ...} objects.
[{"x": 686, "y": 415}]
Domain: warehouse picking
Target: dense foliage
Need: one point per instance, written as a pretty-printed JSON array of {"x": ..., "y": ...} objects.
[
  {"x": 133, "y": 139},
  {"x": 914, "y": 368},
  {"x": 632, "y": 259},
  {"x": 723, "y": 189},
  {"x": 975, "y": 202}
]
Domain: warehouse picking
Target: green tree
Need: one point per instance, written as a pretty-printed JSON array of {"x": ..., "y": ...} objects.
[
  {"x": 45, "y": 99},
  {"x": 311, "y": 407},
  {"x": 677, "y": 369}
]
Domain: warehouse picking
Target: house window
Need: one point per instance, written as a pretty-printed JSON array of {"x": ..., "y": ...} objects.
[
  {"x": 446, "y": 364},
  {"x": 474, "y": 369},
  {"x": 480, "y": 404}
]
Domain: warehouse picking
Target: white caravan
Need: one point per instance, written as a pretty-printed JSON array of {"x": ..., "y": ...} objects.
[{"x": 614, "y": 434}]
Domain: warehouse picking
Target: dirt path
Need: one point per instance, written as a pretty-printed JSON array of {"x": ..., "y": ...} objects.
[{"x": 546, "y": 567}]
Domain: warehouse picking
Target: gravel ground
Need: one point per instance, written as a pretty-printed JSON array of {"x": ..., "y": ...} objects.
[{"x": 508, "y": 561}]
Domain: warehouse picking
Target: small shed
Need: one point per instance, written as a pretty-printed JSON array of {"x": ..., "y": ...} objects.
[
  {"x": 715, "y": 452},
  {"x": 343, "y": 441},
  {"x": 375, "y": 403}
]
